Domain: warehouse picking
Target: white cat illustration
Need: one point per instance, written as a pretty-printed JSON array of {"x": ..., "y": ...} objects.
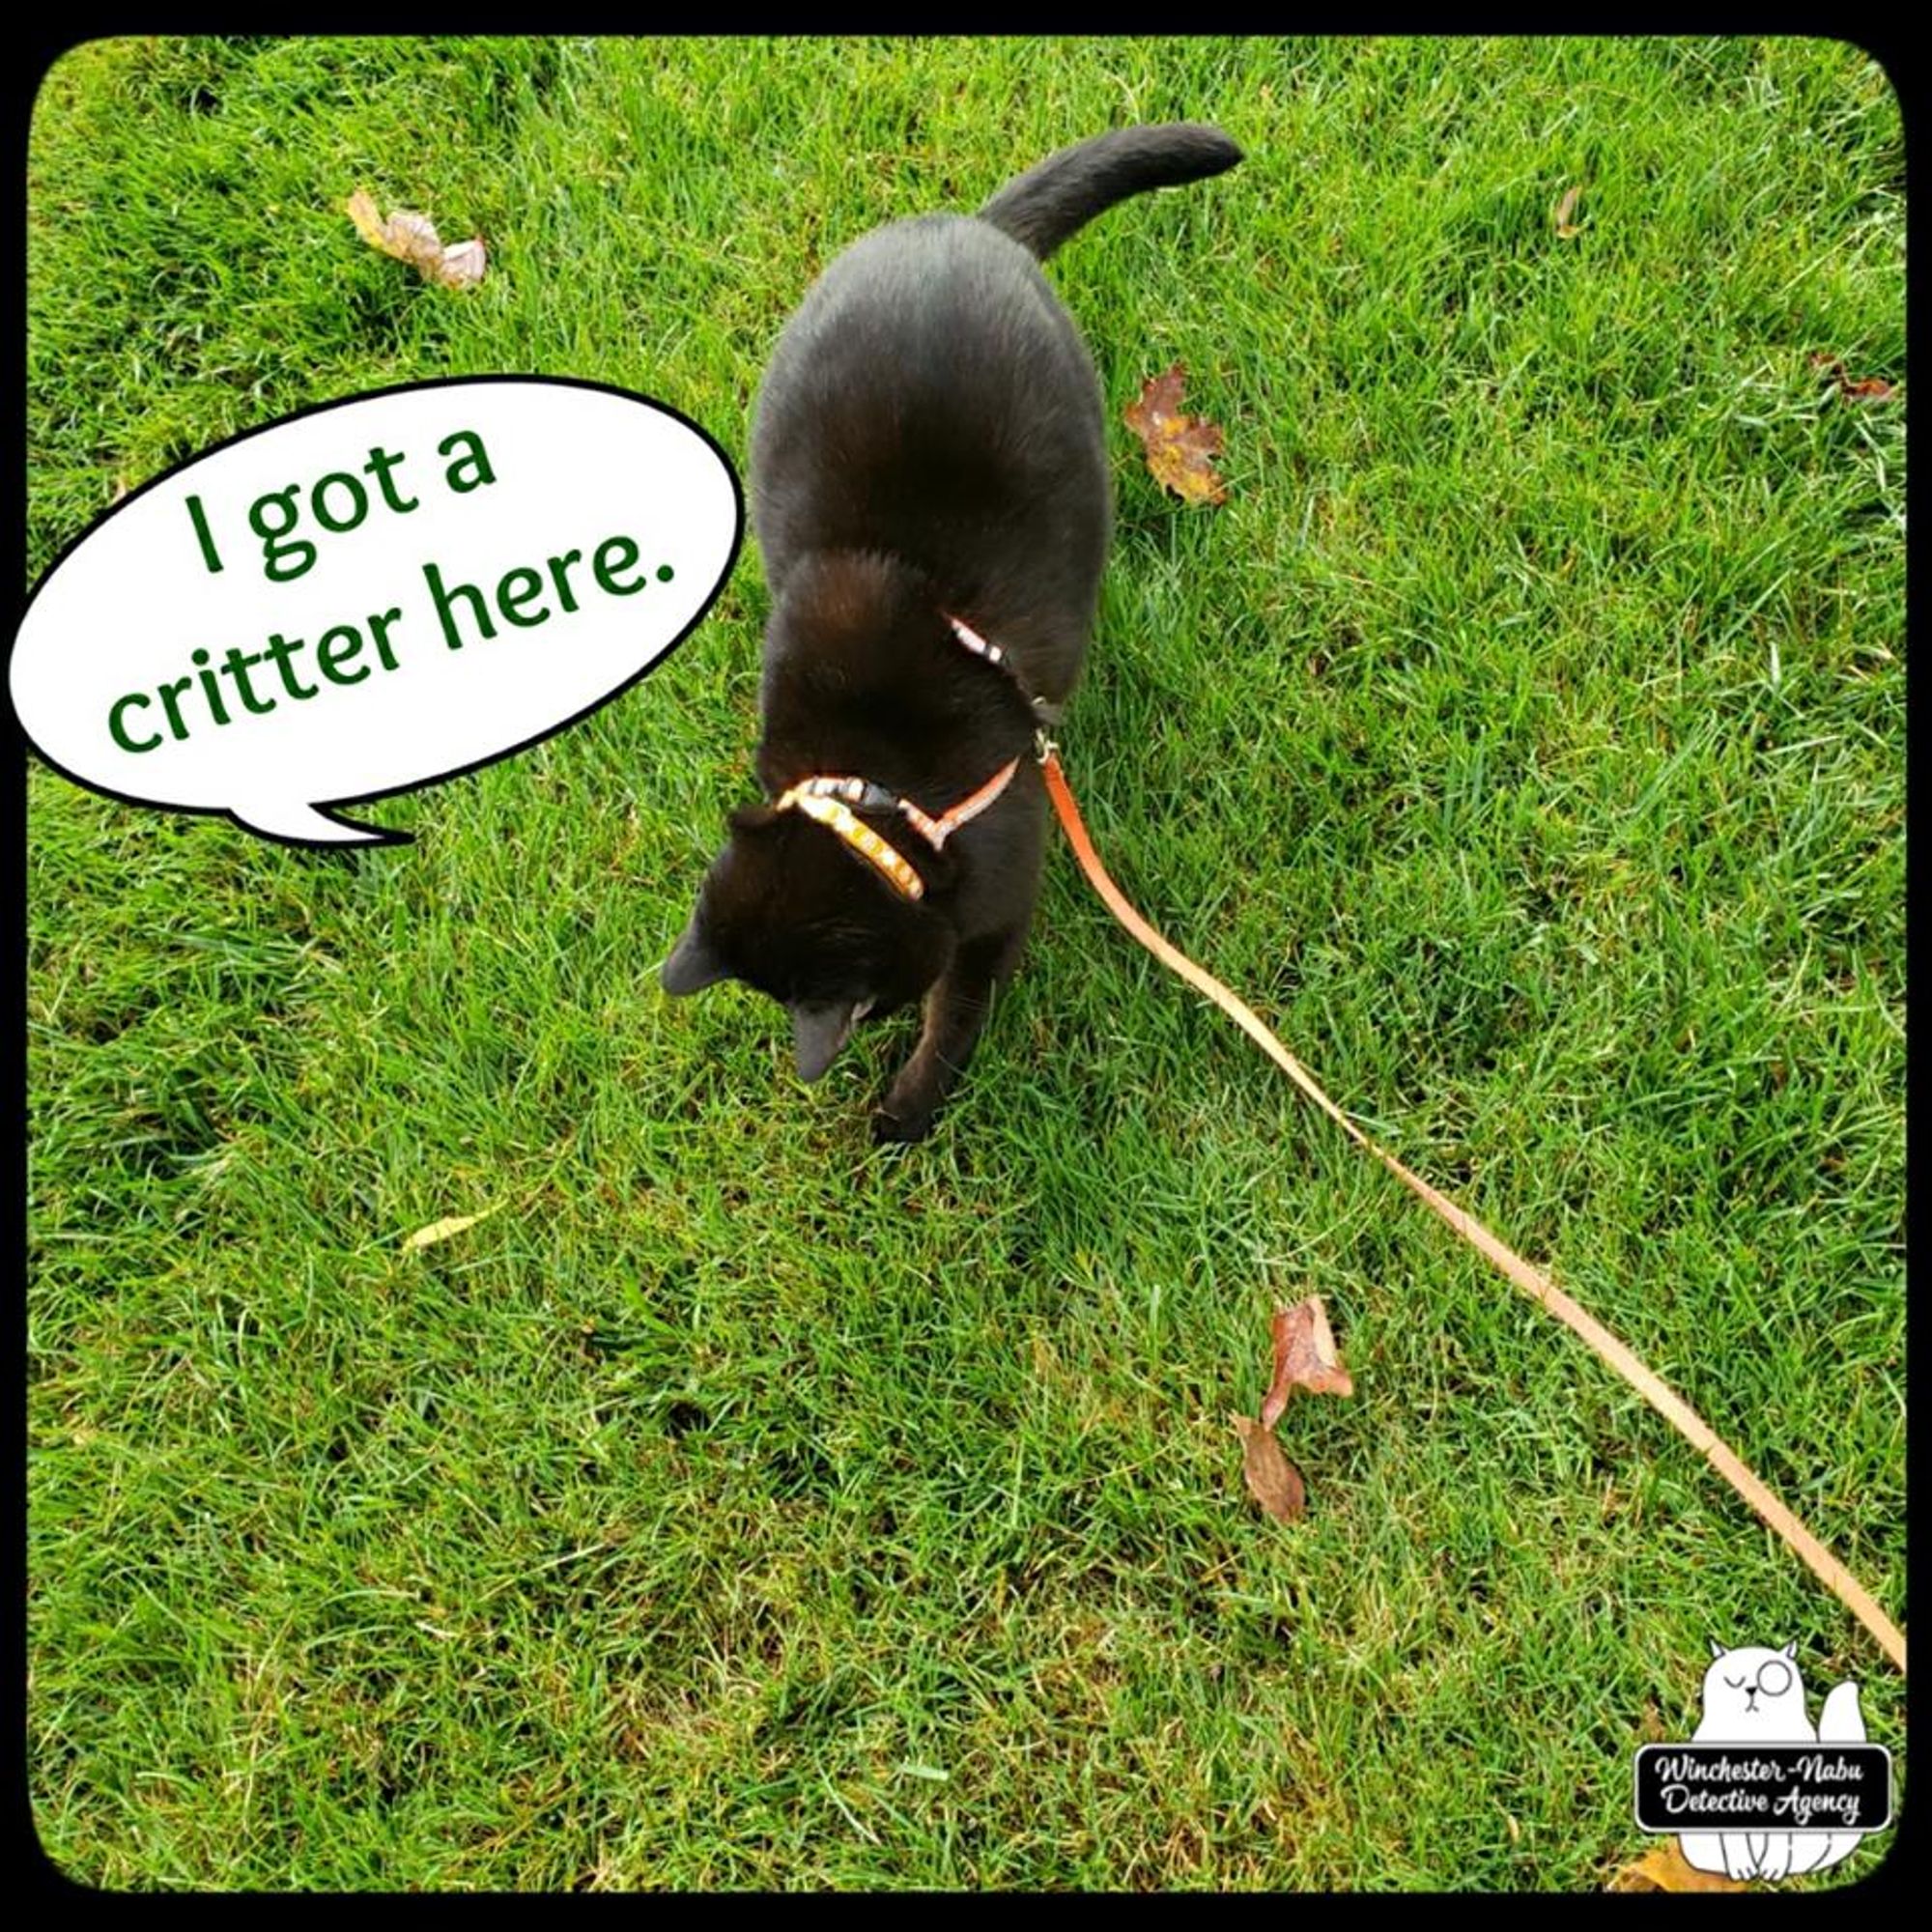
[{"x": 1756, "y": 1696}]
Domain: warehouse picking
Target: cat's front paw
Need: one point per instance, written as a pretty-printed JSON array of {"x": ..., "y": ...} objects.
[{"x": 896, "y": 1122}]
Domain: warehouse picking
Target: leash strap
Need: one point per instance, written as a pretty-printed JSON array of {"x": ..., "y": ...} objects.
[{"x": 1538, "y": 1286}]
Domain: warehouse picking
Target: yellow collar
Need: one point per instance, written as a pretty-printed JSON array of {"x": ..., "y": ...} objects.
[
  {"x": 836, "y": 816},
  {"x": 829, "y": 801}
]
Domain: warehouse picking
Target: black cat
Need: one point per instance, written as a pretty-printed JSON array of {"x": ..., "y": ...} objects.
[{"x": 931, "y": 494}]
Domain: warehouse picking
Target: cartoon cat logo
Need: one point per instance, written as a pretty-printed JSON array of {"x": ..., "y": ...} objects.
[{"x": 1756, "y": 1696}]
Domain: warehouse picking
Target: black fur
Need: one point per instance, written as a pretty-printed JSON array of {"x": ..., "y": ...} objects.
[
  {"x": 928, "y": 441},
  {"x": 1067, "y": 191}
]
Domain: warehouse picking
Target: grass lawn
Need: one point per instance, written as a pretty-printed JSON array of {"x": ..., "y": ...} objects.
[{"x": 740, "y": 1505}]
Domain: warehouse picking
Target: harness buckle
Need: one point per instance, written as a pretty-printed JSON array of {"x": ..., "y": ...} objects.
[{"x": 1043, "y": 746}]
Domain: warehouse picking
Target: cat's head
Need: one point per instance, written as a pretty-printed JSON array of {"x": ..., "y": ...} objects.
[
  {"x": 1755, "y": 1689},
  {"x": 789, "y": 910}
]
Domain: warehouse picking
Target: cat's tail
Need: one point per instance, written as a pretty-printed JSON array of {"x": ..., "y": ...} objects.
[{"x": 1067, "y": 191}]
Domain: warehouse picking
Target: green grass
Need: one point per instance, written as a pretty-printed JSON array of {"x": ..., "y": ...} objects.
[{"x": 742, "y": 1506}]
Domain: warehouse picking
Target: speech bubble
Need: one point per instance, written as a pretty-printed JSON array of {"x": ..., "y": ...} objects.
[{"x": 374, "y": 595}]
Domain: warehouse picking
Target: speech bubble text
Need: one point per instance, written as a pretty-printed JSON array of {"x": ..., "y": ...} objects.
[{"x": 372, "y": 596}]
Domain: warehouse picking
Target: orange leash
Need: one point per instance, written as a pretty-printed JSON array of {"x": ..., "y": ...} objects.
[{"x": 1538, "y": 1286}]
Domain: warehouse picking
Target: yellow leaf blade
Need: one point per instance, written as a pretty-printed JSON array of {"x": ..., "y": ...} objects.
[
  {"x": 360, "y": 207},
  {"x": 447, "y": 1228}
]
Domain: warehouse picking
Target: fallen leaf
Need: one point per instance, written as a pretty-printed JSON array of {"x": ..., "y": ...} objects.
[
  {"x": 1304, "y": 1357},
  {"x": 1853, "y": 390},
  {"x": 441, "y": 1231},
  {"x": 1564, "y": 209},
  {"x": 411, "y": 237},
  {"x": 1665, "y": 1868},
  {"x": 1180, "y": 448},
  {"x": 120, "y": 488},
  {"x": 1273, "y": 1480},
  {"x": 464, "y": 263},
  {"x": 360, "y": 207}
]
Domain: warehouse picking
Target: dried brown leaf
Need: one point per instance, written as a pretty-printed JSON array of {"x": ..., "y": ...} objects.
[
  {"x": 1563, "y": 211},
  {"x": 1273, "y": 1480},
  {"x": 411, "y": 237},
  {"x": 1853, "y": 390},
  {"x": 1180, "y": 448},
  {"x": 1666, "y": 1868},
  {"x": 463, "y": 264},
  {"x": 1304, "y": 1357}
]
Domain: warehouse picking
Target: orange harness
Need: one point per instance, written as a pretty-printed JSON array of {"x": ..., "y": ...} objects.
[{"x": 829, "y": 801}]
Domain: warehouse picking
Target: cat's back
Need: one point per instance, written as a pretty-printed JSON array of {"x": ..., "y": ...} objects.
[
  {"x": 927, "y": 304},
  {"x": 930, "y": 391}
]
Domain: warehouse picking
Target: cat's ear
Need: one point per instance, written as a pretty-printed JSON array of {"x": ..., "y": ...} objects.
[
  {"x": 692, "y": 966},
  {"x": 818, "y": 1031},
  {"x": 1717, "y": 1649}
]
